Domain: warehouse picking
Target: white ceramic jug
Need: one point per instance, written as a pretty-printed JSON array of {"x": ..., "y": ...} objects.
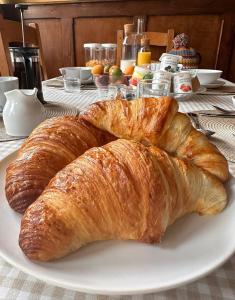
[{"x": 22, "y": 112}]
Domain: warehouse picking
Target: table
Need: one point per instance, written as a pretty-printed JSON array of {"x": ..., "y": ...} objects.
[{"x": 15, "y": 284}]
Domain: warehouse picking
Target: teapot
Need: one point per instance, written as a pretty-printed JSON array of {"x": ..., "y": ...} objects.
[{"x": 22, "y": 112}]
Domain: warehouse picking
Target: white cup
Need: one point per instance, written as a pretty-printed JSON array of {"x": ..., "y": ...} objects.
[
  {"x": 7, "y": 83},
  {"x": 83, "y": 73}
]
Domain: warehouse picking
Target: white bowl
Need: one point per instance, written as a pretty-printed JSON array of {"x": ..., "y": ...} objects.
[{"x": 207, "y": 76}]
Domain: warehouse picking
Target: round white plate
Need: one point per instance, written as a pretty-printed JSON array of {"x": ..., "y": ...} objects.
[
  {"x": 214, "y": 85},
  {"x": 191, "y": 248}
]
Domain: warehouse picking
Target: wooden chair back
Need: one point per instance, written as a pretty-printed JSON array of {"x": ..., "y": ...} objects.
[
  {"x": 159, "y": 39},
  {"x": 10, "y": 32}
]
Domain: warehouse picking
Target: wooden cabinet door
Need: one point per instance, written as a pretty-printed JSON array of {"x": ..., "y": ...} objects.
[
  {"x": 96, "y": 30},
  {"x": 55, "y": 44}
]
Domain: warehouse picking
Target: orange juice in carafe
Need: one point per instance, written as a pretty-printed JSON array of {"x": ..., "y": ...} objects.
[
  {"x": 144, "y": 55},
  {"x": 144, "y": 58}
]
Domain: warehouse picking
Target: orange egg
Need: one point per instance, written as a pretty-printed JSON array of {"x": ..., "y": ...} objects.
[
  {"x": 129, "y": 70},
  {"x": 97, "y": 70}
]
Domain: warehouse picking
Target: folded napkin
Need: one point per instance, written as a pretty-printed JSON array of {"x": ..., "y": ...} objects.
[
  {"x": 224, "y": 137},
  {"x": 59, "y": 84},
  {"x": 54, "y": 83}
]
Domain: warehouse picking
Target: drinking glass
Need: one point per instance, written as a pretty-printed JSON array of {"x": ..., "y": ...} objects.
[
  {"x": 107, "y": 92},
  {"x": 128, "y": 92},
  {"x": 72, "y": 84},
  {"x": 152, "y": 89}
]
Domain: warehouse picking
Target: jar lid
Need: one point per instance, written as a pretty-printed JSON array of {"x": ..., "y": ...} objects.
[
  {"x": 109, "y": 45},
  {"x": 92, "y": 45}
]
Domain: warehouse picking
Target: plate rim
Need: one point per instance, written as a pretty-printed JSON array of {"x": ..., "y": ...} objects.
[
  {"x": 216, "y": 84},
  {"x": 110, "y": 291},
  {"x": 183, "y": 280}
]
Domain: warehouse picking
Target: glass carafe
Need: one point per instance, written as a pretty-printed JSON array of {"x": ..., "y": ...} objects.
[{"x": 26, "y": 67}]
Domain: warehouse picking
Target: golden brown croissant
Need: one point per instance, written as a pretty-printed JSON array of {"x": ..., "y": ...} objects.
[
  {"x": 57, "y": 142},
  {"x": 51, "y": 146},
  {"x": 123, "y": 190},
  {"x": 158, "y": 122}
]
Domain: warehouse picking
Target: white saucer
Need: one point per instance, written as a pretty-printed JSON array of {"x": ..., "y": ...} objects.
[{"x": 216, "y": 84}]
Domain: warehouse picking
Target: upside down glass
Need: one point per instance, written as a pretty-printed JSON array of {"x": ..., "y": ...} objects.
[
  {"x": 107, "y": 93},
  {"x": 151, "y": 89},
  {"x": 72, "y": 85}
]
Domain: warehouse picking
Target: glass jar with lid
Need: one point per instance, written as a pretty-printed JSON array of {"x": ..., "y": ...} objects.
[
  {"x": 93, "y": 54},
  {"x": 109, "y": 54}
]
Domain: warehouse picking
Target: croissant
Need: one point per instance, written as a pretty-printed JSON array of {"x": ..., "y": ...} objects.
[
  {"x": 158, "y": 122},
  {"x": 123, "y": 190},
  {"x": 57, "y": 142},
  {"x": 50, "y": 147}
]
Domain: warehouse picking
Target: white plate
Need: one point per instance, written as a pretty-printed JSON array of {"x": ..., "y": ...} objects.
[
  {"x": 214, "y": 85},
  {"x": 191, "y": 248}
]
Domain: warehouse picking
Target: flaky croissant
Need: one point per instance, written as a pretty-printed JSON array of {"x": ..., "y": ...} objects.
[
  {"x": 158, "y": 122},
  {"x": 50, "y": 147},
  {"x": 57, "y": 142},
  {"x": 123, "y": 190}
]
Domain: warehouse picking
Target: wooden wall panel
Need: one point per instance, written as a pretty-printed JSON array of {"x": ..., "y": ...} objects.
[
  {"x": 66, "y": 27},
  {"x": 96, "y": 30},
  {"x": 52, "y": 43},
  {"x": 203, "y": 30}
]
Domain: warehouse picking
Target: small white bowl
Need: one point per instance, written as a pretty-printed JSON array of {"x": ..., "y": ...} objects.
[{"x": 207, "y": 76}]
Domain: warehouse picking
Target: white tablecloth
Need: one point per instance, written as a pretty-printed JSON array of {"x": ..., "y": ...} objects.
[{"x": 15, "y": 284}]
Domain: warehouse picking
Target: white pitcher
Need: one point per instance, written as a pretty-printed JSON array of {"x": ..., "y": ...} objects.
[{"x": 22, "y": 112}]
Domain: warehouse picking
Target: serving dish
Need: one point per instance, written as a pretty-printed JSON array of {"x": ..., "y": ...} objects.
[{"x": 191, "y": 248}]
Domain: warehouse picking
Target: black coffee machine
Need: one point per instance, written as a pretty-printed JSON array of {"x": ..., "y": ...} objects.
[{"x": 26, "y": 63}]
